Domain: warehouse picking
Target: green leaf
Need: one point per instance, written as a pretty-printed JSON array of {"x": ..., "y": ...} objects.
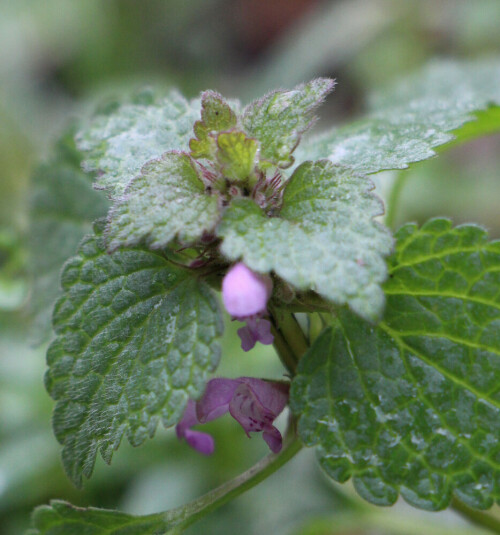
[
  {"x": 62, "y": 518},
  {"x": 216, "y": 116},
  {"x": 237, "y": 155},
  {"x": 413, "y": 405},
  {"x": 165, "y": 201},
  {"x": 136, "y": 337},
  {"x": 120, "y": 140},
  {"x": 485, "y": 122},
  {"x": 325, "y": 238},
  {"x": 63, "y": 206},
  {"x": 415, "y": 116},
  {"x": 279, "y": 119}
]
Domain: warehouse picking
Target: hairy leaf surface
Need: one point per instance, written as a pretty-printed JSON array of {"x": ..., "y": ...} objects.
[
  {"x": 279, "y": 119},
  {"x": 325, "y": 238},
  {"x": 165, "y": 201},
  {"x": 412, "y": 406},
  {"x": 121, "y": 139},
  {"x": 415, "y": 116},
  {"x": 216, "y": 116},
  {"x": 135, "y": 338}
]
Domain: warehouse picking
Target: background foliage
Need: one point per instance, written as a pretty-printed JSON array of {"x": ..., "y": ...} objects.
[{"x": 59, "y": 58}]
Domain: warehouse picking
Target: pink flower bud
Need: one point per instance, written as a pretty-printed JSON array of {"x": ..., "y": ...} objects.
[
  {"x": 245, "y": 295},
  {"x": 244, "y": 292}
]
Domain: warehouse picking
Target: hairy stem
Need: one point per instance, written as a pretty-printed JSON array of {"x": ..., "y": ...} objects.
[
  {"x": 186, "y": 515},
  {"x": 289, "y": 339}
]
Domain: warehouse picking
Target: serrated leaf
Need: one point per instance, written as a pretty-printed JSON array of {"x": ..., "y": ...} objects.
[
  {"x": 63, "y": 206},
  {"x": 216, "y": 116},
  {"x": 279, "y": 119},
  {"x": 167, "y": 200},
  {"x": 236, "y": 154},
  {"x": 119, "y": 141},
  {"x": 411, "y": 119},
  {"x": 62, "y": 518},
  {"x": 136, "y": 337},
  {"x": 413, "y": 405},
  {"x": 324, "y": 239}
]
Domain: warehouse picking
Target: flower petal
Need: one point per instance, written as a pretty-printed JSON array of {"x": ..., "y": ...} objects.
[
  {"x": 246, "y": 409},
  {"x": 264, "y": 335},
  {"x": 256, "y": 330},
  {"x": 188, "y": 419},
  {"x": 248, "y": 338},
  {"x": 201, "y": 442},
  {"x": 273, "y": 438},
  {"x": 215, "y": 400},
  {"x": 271, "y": 394}
]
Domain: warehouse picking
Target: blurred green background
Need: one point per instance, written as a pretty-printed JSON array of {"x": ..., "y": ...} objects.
[{"x": 57, "y": 58}]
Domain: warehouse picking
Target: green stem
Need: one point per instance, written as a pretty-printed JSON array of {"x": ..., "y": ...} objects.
[
  {"x": 284, "y": 351},
  {"x": 394, "y": 198},
  {"x": 479, "y": 518},
  {"x": 186, "y": 515},
  {"x": 289, "y": 340}
]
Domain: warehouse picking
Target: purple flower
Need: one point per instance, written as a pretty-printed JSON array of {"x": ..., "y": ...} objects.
[
  {"x": 256, "y": 330},
  {"x": 202, "y": 442},
  {"x": 253, "y": 403},
  {"x": 245, "y": 295}
]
